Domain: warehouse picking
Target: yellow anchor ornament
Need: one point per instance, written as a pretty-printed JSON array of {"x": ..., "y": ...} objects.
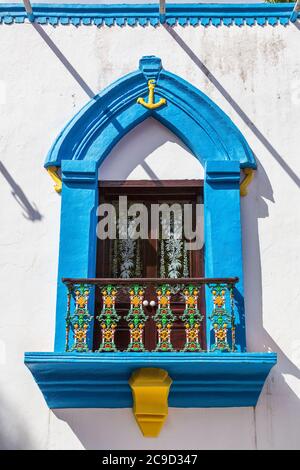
[{"x": 151, "y": 104}]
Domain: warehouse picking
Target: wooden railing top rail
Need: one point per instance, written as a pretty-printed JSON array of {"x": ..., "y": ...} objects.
[{"x": 151, "y": 280}]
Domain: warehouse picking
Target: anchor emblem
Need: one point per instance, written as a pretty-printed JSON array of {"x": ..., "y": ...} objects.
[{"x": 151, "y": 103}]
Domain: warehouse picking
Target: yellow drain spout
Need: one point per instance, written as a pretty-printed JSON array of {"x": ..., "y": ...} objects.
[{"x": 150, "y": 390}]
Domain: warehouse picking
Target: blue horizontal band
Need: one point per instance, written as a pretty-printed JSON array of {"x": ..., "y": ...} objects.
[
  {"x": 100, "y": 380},
  {"x": 182, "y": 14}
]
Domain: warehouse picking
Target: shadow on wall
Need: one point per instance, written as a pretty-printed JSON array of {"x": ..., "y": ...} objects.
[
  {"x": 141, "y": 144},
  {"x": 197, "y": 61},
  {"x": 258, "y": 134},
  {"x": 30, "y": 210},
  {"x": 297, "y": 24},
  {"x": 274, "y": 423},
  {"x": 63, "y": 59},
  {"x": 277, "y": 416},
  {"x": 185, "y": 428},
  {"x": 274, "y": 426},
  {"x": 14, "y": 436}
]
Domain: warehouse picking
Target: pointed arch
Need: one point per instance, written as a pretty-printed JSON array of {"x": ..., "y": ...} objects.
[
  {"x": 190, "y": 114},
  {"x": 201, "y": 125}
]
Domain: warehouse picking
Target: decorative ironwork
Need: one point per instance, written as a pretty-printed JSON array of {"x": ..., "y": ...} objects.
[
  {"x": 108, "y": 318},
  {"x": 221, "y": 319},
  {"x": 136, "y": 318},
  {"x": 231, "y": 293},
  {"x": 164, "y": 319},
  {"x": 79, "y": 321},
  {"x": 68, "y": 318},
  {"x": 191, "y": 318}
]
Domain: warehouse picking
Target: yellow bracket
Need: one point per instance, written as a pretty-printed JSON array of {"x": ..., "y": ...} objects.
[
  {"x": 151, "y": 104},
  {"x": 249, "y": 175},
  {"x": 53, "y": 172},
  {"x": 150, "y": 389}
]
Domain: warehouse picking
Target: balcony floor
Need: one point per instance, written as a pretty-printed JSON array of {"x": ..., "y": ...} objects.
[{"x": 100, "y": 380}]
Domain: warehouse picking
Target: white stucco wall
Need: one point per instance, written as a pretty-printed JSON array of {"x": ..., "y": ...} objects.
[
  {"x": 150, "y": 152},
  {"x": 46, "y": 76}
]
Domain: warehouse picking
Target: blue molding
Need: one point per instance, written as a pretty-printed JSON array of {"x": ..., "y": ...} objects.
[
  {"x": 199, "y": 380},
  {"x": 150, "y": 66},
  {"x": 189, "y": 113},
  {"x": 193, "y": 14},
  {"x": 223, "y": 239},
  {"x": 211, "y": 136},
  {"x": 101, "y": 380},
  {"x": 78, "y": 172},
  {"x": 222, "y": 172},
  {"x": 78, "y": 240}
]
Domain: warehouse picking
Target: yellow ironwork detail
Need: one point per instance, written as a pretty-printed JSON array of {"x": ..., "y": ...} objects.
[
  {"x": 53, "y": 172},
  {"x": 150, "y": 389},
  {"x": 249, "y": 175},
  {"x": 151, "y": 103}
]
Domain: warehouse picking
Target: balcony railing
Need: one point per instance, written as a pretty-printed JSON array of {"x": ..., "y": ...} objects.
[{"x": 131, "y": 292}]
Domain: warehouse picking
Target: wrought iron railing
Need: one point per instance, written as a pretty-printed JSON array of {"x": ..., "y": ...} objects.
[{"x": 221, "y": 314}]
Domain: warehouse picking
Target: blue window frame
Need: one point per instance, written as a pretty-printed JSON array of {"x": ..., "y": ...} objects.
[{"x": 78, "y": 152}]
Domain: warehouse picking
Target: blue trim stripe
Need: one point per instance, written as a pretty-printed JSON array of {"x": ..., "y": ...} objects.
[
  {"x": 144, "y": 15},
  {"x": 100, "y": 380}
]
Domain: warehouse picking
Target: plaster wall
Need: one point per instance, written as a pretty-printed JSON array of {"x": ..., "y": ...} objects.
[{"x": 46, "y": 75}]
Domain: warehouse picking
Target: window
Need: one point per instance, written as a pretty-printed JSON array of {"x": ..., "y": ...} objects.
[
  {"x": 152, "y": 257},
  {"x": 78, "y": 380}
]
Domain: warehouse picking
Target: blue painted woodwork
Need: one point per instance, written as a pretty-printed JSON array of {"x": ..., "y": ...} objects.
[
  {"x": 222, "y": 235},
  {"x": 77, "y": 246},
  {"x": 189, "y": 113},
  {"x": 193, "y": 14},
  {"x": 207, "y": 131},
  {"x": 101, "y": 380}
]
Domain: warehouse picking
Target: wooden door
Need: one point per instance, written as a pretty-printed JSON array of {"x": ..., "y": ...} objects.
[{"x": 148, "y": 256}]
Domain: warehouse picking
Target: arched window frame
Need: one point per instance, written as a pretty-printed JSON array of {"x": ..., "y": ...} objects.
[{"x": 222, "y": 150}]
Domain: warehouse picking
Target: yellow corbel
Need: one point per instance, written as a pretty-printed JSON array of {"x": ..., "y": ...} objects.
[
  {"x": 249, "y": 175},
  {"x": 151, "y": 103},
  {"x": 150, "y": 389},
  {"x": 53, "y": 172}
]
